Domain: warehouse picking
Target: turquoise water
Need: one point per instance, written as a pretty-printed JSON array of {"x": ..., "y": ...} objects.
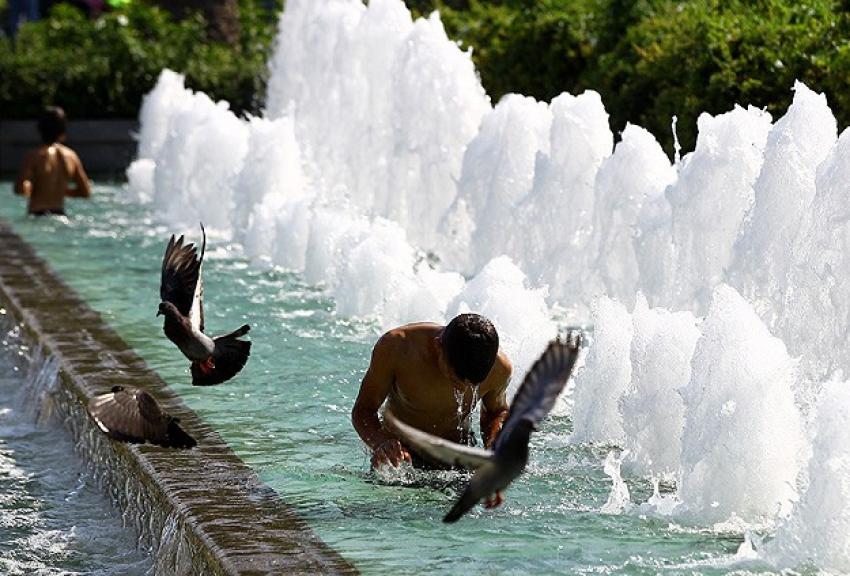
[
  {"x": 287, "y": 415},
  {"x": 54, "y": 519}
]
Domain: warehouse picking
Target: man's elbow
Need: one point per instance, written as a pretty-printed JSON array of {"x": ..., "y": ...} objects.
[{"x": 359, "y": 414}]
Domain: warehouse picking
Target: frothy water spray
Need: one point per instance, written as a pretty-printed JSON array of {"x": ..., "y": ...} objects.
[{"x": 382, "y": 171}]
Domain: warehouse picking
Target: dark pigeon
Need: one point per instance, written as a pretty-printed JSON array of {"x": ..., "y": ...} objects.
[
  {"x": 214, "y": 360},
  {"x": 496, "y": 469},
  {"x": 135, "y": 416}
]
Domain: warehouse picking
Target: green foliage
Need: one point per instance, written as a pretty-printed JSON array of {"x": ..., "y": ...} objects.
[
  {"x": 653, "y": 59},
  {"x": 103, "y": 67},
  {"x": 683, "y": 58},
  {"x": 534, "y": 48},
  {"x": 650, "y": 59}
]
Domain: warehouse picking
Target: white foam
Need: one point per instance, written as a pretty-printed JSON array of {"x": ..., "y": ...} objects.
[
  {"x": 818, "y": 530},
  {"x": 816, "y": 315},
  {"x": 743, "y": 436},
  {"x": 784, "y": 191},
  {"x": 636, "y": 173},
  {"x": 708, "y": 204},
  {"x": 383, "y": 107},
  {"x": 604, "y": 377},
  {"x": 652, "y": 408}
]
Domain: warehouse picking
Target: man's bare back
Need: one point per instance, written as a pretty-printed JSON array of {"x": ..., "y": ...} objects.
[
  {"x": 52, "y": 171},
  {"x": 46, "y": 177},
  {"x": 410, "y": 371}
]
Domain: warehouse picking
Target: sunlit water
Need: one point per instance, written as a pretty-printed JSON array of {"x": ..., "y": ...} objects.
[
  {"x": 287, "y": 415},
  {"x": 54, "y": 518},
  {"x": 381, "y": 185}
]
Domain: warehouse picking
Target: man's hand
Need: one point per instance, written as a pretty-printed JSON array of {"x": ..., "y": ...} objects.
[
  {"x": 390, "y": 452},
  {"x": 494, "y": 500}
]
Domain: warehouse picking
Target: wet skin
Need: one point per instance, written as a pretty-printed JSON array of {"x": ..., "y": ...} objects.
[{"x": 409, "y": 371}]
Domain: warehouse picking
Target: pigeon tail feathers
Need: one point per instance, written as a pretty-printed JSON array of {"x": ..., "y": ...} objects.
[{"x": 229, "y": 358}]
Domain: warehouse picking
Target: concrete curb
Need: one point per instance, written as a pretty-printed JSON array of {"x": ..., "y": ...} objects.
[{"x": 202, "y": 511}]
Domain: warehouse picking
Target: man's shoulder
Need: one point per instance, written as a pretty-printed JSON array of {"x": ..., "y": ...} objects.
[
  {"x": 411, "y": 333},
  {"x": 68, "y": 152},
  {"x": 500, "y": 373},
  {"x": 406, "y": 342}
]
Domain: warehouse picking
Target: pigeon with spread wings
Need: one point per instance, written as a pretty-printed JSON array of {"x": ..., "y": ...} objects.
[
  {"x": 496, "y": 469},
  {"x": 135, "y": 416},
  {"x": 214, "y": 360}
]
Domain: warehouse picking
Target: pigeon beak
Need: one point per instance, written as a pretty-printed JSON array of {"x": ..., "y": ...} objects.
[{"x": 159, "y": 312}]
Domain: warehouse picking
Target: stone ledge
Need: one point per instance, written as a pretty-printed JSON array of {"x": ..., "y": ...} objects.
[{"x": 203, "y": 511}]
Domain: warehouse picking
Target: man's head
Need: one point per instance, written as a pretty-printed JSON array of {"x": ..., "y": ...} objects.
[
  {"x": 470, "y": 345},
  {"x": 51, "y": 124}
]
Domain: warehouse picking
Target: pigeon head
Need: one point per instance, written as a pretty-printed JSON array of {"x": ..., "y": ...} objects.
[{"x": 168, "y": 310}]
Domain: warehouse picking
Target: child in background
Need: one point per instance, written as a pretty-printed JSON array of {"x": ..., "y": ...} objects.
[{"x": 48, "y": 171}]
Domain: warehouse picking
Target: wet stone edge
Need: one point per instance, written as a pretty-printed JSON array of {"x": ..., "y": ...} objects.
[{"x": 201, "y": 511}]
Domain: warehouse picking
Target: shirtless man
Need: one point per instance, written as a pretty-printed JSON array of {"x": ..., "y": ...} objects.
[
  {"x": 48, "y": 171},
  {"x": 422, "y": 371}
]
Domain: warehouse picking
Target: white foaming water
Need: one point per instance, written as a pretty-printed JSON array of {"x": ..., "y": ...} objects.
[
  {"x": 652, "y": 408},
  {"x": 604, "y": 377},
  {"x": 383, "y": 106},
  {"x": 708, "y": 204},
  {"x": 743, "y": 436},
  {"x": 784, "y": 191},
  {"x": 816, "y": 316},
  {"x": 634, "y": 176},
  {"x": 818, "y": 530},
  {"x": 382, "y": 172}
]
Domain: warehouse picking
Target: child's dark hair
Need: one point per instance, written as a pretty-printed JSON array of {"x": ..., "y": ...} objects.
[
  {"x": 471, "y": 343},
  {"x": 51, "y": 124}
]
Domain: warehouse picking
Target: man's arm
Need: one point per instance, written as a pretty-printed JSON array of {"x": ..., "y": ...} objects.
[
  {"x": 82, "y": 186},
  {"x": 373, "y": 391},
  {"x": 494, "y": 411},
  {"x": 23, "y": 185},
  {"x": 494, "y": 403}
]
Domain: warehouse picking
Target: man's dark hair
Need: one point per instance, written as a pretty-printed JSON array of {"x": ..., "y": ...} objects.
[
  {"x": 51, "y": 124},
  {"x": 471, "y": 343}
]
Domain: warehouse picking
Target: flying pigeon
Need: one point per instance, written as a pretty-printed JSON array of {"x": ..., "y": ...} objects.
[
  {"x": 496, "y": 469},
  {"x": 214, "y": 360},
  {"x": 135, "y": 416}
]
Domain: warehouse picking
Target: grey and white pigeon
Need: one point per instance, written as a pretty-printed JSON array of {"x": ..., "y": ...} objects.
[
  {"x": 497, "y": 468},
  {"x": 135, "y": 416},
  {"x": 214, "y": 360}
]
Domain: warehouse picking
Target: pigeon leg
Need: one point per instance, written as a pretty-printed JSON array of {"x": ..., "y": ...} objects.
[{"x": 207, "y": 365}]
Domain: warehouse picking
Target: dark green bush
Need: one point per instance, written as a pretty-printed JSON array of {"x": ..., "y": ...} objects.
[
  {"x": 102, "y": 68},
  {"x": 534, "y": 48},
  {"x": 652, "y": 59},
  {"x": 684, "y": 58}
]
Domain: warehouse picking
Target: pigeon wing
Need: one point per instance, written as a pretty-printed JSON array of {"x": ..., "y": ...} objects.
[
  {"x": 439, "y": 449},
  {"x": 196, "y": 315},
  {"x": 117, "y": 414},
  {"x": 542, "y": 385},
  {"x": 181, "y": 270}
]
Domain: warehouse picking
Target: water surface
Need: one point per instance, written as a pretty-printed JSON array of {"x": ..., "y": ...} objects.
[
  {"x": 54, "y": 517},
  {"x": 287, "y": 415}
]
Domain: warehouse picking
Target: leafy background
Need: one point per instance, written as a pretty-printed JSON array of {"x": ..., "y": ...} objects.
[{"x": 650, "y": 59}]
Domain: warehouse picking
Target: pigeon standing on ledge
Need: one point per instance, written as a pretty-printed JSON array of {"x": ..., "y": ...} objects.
[
  {"x": 214, "y": 360},
  {"x": 135, "y": 416},
  {"x": 496, "y": 469}
]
